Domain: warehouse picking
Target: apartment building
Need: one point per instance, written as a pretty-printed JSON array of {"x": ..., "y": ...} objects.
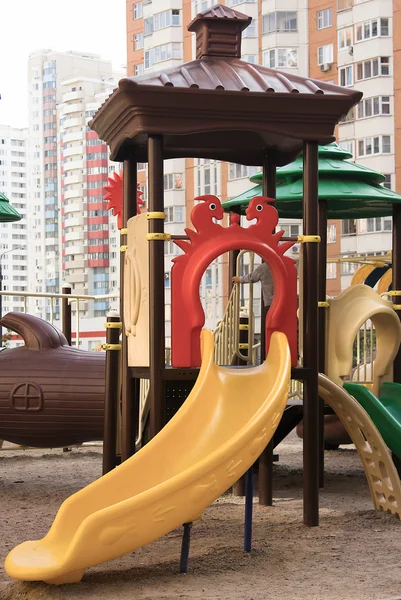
[
  {"x": 349, "y": 42},
  {"x": 353, "y": 43},
  {"x": 13, "y": 236},
  {"x": 55, "y": 79},
  {"x": 90, "y": 262}
]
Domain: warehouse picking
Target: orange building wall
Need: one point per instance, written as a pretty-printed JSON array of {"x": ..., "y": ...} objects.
[{"x": 133, "y": 26}]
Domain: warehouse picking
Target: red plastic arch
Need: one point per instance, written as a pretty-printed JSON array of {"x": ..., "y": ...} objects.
[{"x": 210, "y": 241}]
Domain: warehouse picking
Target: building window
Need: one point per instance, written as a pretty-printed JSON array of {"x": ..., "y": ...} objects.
[
  {"x": 280, "y": 57},
  {"x": 250, "y": 58},
  {"x": 373, "y": 68},
  {"x": 207, "y": 177},
  {"x": 252, "y": 30},
  {"x": 331, "y": 233},
  {"x": 161, "y": 53},
  {"x": 371, "y": 29},
  {"x": 167, "y": 18},
  {"x": 374, "y": 225},
  {"x": 241, "y": 171},
  {"x": 325, "y": 54},
  {"x": 344, "y": 38},
  {"x": 347, "y": 145},
  {"x": 348, "y": 268},
  {"x": 387, "y": 183},
  {"x": 236, "y": 2},
  {"x": 372, "y": 107},
  {"x": 348, "y": 227},
  {"x": 138, "y": 69},
  {"x": 350, "y": 116},
  {"x": 138, "y": 41},
  {"x": 148, "y": 26},
  {"x": 331, "y": 271},
  {"x": 345, "y": 76},
  {"x": 324, "y": 18},
  {"x": 374, "y": 145},
  {"x": 280, "y": 22},
  {"x": 344, "y": 5},
  {"x": 137, "y": 10}
]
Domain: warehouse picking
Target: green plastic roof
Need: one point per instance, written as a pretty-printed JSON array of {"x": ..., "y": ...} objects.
[
  {"x": 7, "y": 212},
  {"x": 352, "y": 191}
]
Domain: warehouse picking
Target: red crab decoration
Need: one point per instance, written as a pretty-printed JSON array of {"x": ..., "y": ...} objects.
[{"x": 113, "y": 193}]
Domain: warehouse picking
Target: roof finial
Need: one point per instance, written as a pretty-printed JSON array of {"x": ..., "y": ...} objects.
[{"x": 218, "y": 31}]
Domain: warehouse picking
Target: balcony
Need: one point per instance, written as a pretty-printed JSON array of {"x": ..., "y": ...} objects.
[
  {"x": 75, "y": 150},
  {"x": 74, "y": 221},
  {"x": 72, "y": 137},
  {"x": 74, "y": 207},
  {"x": 72, "y": 165},
  {"x": 74, "y": 193},
  {"x": 77, "y": 122},
  {"x": 71, "y": 108},
  {"x": 75, "y": 236},
  {"x": 76, "y": 178},
  {"x": 69, "y": 96}
]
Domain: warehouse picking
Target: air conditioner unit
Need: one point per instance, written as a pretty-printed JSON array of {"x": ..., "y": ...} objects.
[
  {"x": 351, "y": 50},
  {"x": 325, "y": 67}
]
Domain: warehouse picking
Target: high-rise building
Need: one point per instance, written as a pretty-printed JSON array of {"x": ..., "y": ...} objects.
[
  {"x": 347, "y": 42},
  {"x": 60, "y": 170},
  {"x": 88, "y": 256},
  {"x": 13, "y": 236}
]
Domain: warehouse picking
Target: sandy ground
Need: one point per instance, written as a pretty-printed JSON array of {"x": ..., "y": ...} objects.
[{"x": 353, "y": 554}]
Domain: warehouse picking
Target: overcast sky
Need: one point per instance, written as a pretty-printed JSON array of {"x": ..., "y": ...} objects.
[{"x": 96, "y": 26}]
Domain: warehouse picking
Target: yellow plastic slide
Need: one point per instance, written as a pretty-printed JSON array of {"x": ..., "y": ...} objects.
[{"x": 226, "y": 422}]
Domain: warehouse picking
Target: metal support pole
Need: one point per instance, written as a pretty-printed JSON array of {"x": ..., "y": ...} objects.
[
  {"x": 396, "y": 261},
  {"x": 266, "y": 458},
  {"x": 248, "y": 511},
  {"x": 66, "y": 314},
  {"x": 311, "y": 338},
  {"x": 112, "y": 392},
  {"x": 128, "y": 415},
  {"x": 322, "y": 262},
  {"x": 156, "y": 288},
  {"x": 185, "y": 544}
]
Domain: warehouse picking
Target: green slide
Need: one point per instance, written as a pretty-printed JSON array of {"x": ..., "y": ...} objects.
[{"x": 384, "y": 411}]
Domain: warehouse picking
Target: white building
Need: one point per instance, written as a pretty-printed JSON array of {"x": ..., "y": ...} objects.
[{"x": 13, "y": 236}]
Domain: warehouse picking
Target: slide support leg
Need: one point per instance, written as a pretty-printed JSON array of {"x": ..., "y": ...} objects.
[
  {"x": 186, "y": 541},
  {"x": 248, "y": 511}
]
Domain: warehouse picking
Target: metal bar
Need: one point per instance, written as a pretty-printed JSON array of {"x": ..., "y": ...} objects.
[
  {"x": 156, "y": 287},
  {"x": 322, "y": 262},
  {"x": 248, "y": 511},
  {"x": 66, "y": 313},
  {"x": 112, "y": 396},
  {"x": 185, "y": 545},
  {"x": 396, "y": 256},
  {"x": 311, "y": 338},
  {"x": 128, "y": 415},
  {"x": 266, "y": 458},
  {"x": 77, "y": 325}
]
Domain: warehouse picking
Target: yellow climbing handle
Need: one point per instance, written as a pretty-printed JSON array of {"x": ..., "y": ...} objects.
[{"x": 307, "y": 239}]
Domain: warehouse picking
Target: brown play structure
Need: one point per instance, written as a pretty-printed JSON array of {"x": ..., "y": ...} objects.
[{"x": 222, "y": 108}]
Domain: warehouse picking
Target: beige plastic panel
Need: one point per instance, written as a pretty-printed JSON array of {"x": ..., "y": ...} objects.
[
  {"x": 136, "y": 292},
  {"x": 382, "y": 476},
  {"x": 345, "y": 316}
]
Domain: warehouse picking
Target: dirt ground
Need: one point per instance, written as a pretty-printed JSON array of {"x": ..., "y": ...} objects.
[{"x": 353, "y": 555}]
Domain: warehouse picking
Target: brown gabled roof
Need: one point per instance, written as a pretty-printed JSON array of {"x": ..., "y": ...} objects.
[{"x": 219, "y": 106}]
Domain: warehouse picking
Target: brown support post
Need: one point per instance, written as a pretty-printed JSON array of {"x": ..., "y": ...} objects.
[
  {"x": 396, "y": 260},
  {"x": 322, "y": 262},
  {"x": 311, "y": 338},
  {"x": 266, "y": 458},
  {"x": 112, "y": 392},
  {"x": 127, "y": 413},
  {"x": 156, "y": 288},
  {"x": 66, "y": 314}
]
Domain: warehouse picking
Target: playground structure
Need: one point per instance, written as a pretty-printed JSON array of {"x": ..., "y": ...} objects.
[{"x": 214, "y": 107}]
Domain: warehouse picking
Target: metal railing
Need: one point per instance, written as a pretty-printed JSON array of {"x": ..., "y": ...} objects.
[
  {"x": 76, "y": 299},
  {"x": 363, "y": 355}
]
